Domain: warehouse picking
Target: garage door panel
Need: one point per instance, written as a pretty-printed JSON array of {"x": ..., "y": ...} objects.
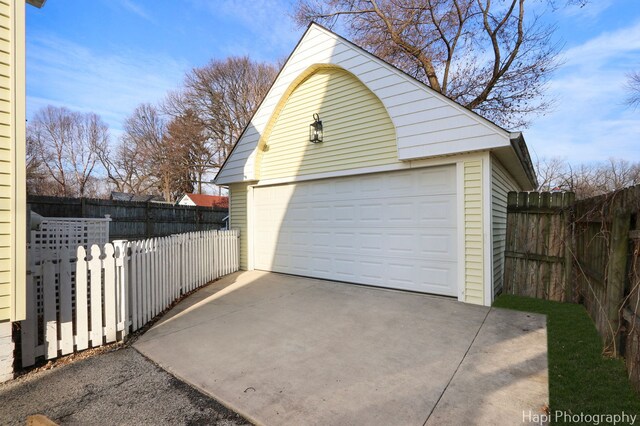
[
  {"x": 320, "y": 265},
  {"x": 370, "y": 214},
  {"x": 438, "y": 245},
  {"x": 435, "y": 277},
  {"x": 437, "y": 212},
  {"x": 429, "y": 277},
  {"x": 389, "y": 229},
  {"x": 320, "y": 214},
  {"x": 395, "y": 211}
]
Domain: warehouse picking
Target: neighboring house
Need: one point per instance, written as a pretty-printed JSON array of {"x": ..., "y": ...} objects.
[
  {"x": 13, "y": 205},
  {"x": 204, "y": 200},
  {"x": 407, "y": 190},
  {"x": 123, "y": 196}
]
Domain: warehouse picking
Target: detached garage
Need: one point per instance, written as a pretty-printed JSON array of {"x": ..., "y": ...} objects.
[{"x": 353, "y": 171}]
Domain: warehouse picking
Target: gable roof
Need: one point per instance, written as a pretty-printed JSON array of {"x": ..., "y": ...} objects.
[
  {"x": 423, "y": 117},
  {"x": 205, "y": 200}
]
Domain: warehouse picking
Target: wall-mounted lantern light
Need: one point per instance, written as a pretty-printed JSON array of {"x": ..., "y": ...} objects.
[{"x": 315, "y": 130}]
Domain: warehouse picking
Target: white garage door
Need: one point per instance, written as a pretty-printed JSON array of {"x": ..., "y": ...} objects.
[{"x": 395, "y": 229}]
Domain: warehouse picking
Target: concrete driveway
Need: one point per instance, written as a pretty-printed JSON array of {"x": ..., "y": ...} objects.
[{"x": 280, "y": 349}]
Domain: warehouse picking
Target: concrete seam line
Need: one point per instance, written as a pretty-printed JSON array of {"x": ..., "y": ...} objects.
[{"x": 457, "y": 367}]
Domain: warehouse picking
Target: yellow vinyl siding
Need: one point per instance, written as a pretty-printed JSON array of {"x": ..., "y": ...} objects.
[
  {"x": 357, "y": 129},
  {"x": 5, "y": 171},
  {"x": 473, "y": 241},
  {"x": 12, "y": 151},
  {"x": 238, "y": 218}
]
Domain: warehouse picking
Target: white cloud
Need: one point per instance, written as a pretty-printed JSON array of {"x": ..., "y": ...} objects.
[
  {"x": 623, "y": 43},
  {"x": 590, "y": 122},
  {"x": 136, "y": 9},
  {"x": 65, "y": 73},
  {"x": 267, "y": 24}
]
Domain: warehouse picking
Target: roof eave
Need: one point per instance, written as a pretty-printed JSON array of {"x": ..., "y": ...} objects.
[
  {"x": 37, "y": 3},
  {"x": 522, "y": 152}
]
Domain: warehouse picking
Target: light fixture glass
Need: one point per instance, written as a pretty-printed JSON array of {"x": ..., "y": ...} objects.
[{"x": 315, "y": 130}]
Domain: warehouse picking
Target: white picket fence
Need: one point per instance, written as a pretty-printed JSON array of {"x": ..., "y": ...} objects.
[{"x": 109, "y": 291}]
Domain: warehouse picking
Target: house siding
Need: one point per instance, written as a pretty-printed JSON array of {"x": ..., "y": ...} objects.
[
  {"x": 426, "y": 124},
  {"x": 238, "y": 218},
  {"x": 501, "y": 184},
  {"x": 473, "y": 232},
  {"x": 12, "y": 169},
  {"x": 357, "y": 129}
]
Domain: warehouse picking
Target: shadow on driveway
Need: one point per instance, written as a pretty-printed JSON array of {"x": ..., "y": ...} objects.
[{"x": 120, "y": 387}]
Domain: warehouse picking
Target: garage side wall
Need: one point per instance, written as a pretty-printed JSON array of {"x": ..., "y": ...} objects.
[
  {"x": 501, "y": 184},
  {"x": 238, "y": 193}
]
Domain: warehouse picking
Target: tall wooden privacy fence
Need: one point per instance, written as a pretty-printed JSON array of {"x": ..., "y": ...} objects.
[
  {"x": 585, "y": 251},
  {"x": 109, "y": 291},
  {"x": 537, "y": 254},
  {"x": 131, "y": 220}
]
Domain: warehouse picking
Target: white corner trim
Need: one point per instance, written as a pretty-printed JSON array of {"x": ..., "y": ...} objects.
[{"x": 250, "y": 223}]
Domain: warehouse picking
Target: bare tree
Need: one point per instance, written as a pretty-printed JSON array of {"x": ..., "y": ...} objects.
[
  {"x": 551, "y": 173},
  {"x": 587, "y": 179},
  {"x": 64, "y": 147},
  {"x": 36, "y": 175},
  {"x": 493, "y": 58},
  {"x": 633, "y": 86},
  {"x": 150, "y": 157},
  {"x": 223, "y": 95},
  {"x": 188, "y": 134},
  {"x": 618, "y": 173},
  {"x": 127, "y": 168}
]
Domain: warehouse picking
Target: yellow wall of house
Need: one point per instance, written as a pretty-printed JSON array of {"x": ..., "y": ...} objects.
[
  {"x": 473, "y": 233},
  {"x": 12, "y": 168},
  {"x": 238, "y": 218},
  {"x": 357, "y": 129}
]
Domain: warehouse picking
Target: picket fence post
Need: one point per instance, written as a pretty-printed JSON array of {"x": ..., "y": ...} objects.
[{"x": 82, "y": 314}]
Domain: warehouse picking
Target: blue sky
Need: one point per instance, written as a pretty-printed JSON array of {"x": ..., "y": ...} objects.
[{"x": 107, "y": 56}]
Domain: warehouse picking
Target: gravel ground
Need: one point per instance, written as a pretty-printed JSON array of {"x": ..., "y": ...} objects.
[{"x": 120, "y": 387}]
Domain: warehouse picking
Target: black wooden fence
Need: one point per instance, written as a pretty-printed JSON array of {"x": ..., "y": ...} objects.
[{"x": 132, "y": 220}]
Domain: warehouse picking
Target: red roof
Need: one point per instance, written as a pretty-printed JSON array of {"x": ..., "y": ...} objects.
[{"x": 209, "y": 200}]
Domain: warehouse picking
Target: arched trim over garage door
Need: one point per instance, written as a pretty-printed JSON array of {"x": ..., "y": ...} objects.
[{"x": 358, "y": 131}]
